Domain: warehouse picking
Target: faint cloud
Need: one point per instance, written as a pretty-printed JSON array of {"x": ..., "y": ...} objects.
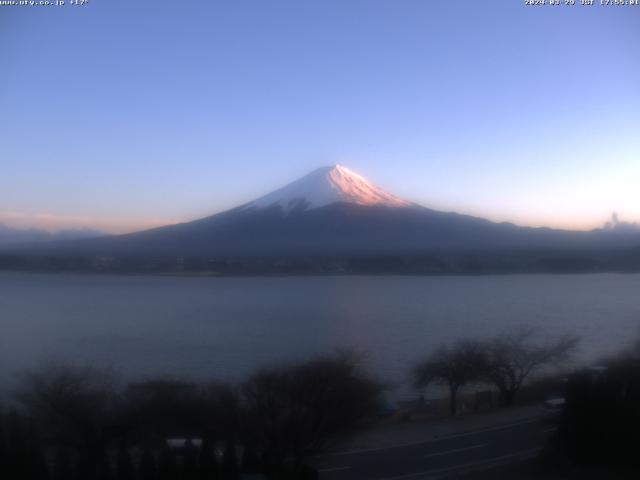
[
  {"x": 614, "y": 223},
  {"x": 54, "y": 222}
]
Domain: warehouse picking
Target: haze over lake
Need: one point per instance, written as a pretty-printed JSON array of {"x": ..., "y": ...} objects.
[{"x": 227, "y": 327}]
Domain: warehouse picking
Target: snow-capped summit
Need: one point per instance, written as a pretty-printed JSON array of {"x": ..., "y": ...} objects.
[
  {"x": 325, "y": 186},
  {"x": 350, "y": 224}
]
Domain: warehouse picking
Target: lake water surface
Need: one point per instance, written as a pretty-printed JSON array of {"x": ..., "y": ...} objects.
[{"x": 227, "y": 327}]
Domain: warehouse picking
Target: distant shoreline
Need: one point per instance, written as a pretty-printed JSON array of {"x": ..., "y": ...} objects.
[
  {"x": 214, "y": 275},
  {"x": 383, "y": 263}
]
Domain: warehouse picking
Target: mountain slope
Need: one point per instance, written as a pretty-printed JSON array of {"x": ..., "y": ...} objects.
[{"x": 334, "y": 211}]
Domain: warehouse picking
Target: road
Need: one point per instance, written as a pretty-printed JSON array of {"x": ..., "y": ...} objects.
[{"x": 442, "y": 457}]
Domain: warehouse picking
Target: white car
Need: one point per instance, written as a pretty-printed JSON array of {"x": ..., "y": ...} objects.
[{"x": 553, "y": 407}]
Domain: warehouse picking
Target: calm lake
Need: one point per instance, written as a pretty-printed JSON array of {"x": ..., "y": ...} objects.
[{"x": 227, "y": 327}]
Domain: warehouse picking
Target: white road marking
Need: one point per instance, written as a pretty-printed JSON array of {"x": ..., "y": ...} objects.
[
  {"x": 464, "y": 449},
  {"x": 333, "y": 469},
  {"x": 489, "y": 462},
  {"x": 431, "y": 440}
]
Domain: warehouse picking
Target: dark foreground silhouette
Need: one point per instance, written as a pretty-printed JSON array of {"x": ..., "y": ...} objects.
[
  {"x": 75, "y": 423},
  {"x": 599, "y": 432}
]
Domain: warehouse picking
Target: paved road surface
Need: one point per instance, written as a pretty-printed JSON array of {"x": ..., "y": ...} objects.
[{"x": 441, "y": 457}]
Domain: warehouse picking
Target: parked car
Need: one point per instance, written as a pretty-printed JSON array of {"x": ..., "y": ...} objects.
[{"x": 552, "y": 408}]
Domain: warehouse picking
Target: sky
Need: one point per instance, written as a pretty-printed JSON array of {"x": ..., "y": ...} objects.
[{"x": 123, "y": 114}]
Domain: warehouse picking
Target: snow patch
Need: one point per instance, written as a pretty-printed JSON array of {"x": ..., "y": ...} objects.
[{"x": 325, "y": 186}]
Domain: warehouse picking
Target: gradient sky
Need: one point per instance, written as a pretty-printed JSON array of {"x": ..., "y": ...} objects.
[{"x": 126, "y": 114}]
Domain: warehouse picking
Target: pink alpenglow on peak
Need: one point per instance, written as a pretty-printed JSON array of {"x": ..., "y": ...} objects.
[{"x": 325, "y": 186}]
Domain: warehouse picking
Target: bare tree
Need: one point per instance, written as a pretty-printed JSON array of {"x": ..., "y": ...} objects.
[
  {"x": 456, "y": 366},
  {"x": 71, "y": 399},
  {"x": 515, "y": 356},
  {"x": 297, "y": 411},
  {"x": 77, "y": 406}
]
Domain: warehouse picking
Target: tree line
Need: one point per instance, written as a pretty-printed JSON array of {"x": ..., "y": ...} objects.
[
  {"x": 81, "y": 423},
  {"x": 78, "y": 423},
  {"x": 504, "y": 362}
]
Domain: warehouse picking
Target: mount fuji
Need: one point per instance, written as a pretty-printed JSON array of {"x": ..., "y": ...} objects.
[
  {"x": 325, "y": 186},
  {"x": 334, "y": 212}
]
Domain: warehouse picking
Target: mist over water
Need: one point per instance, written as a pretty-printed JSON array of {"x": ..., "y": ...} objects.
[{"x": 225, "y": 328}]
